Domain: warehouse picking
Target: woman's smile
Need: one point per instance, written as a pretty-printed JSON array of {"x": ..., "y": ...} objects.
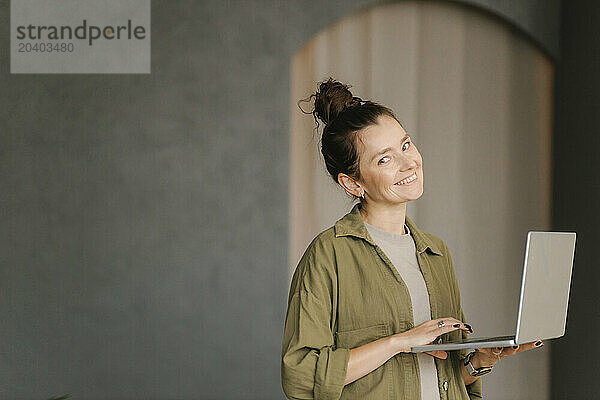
[{"x": 408, "y": 180}]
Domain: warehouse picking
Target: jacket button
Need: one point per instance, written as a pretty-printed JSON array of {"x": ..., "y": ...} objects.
[{"x": 445, "y": 385}]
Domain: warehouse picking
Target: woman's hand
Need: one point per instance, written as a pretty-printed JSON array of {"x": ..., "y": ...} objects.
[
  {"x": 490, "y": 356},
  {"x": 427, "y": 332}
]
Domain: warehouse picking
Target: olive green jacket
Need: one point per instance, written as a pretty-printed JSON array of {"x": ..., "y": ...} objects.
[{"x": 345, "y": 292}]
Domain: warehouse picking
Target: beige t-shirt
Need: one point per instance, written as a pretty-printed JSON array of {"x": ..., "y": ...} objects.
[{"x": 401, "y": 251}]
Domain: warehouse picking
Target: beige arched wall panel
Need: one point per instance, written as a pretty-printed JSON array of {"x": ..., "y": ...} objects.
[{"x": 477, "y": 100}]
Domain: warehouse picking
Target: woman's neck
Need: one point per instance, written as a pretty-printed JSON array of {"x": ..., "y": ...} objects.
[{"x": 386, "y": 218}]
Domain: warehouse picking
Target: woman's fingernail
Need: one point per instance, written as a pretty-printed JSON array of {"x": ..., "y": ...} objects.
[
  {"x": 539, "y": 343},
  {"x": 469, "y": 328},
  {"x": 515, "y": 347},
  {"x": 456, "y": 325}
]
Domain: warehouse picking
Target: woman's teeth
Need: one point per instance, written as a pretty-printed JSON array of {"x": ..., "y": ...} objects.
[{"x": 407, "y": 180}]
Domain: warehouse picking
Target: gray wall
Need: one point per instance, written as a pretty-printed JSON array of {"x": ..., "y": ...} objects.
[
  {"x": 144, "y": 217},
  {"x": 576, "y": 356}
]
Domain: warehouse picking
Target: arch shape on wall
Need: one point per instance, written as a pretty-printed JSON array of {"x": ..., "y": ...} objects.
[{"x": 476, "y": 97}]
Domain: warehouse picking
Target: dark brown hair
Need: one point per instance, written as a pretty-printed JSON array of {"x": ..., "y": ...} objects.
[{"x": 344, "y": 116}]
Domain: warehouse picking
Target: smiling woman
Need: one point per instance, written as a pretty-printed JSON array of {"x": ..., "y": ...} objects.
[
  {"x": 391, "y": 169},
  {"x": 374, "y": 285},
  {"x": 476, "y": 99}
]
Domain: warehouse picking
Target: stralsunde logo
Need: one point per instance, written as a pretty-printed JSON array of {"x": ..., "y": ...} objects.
[
  {"x": 83, "y": 32},
  {"x": 80, "y": 36}
]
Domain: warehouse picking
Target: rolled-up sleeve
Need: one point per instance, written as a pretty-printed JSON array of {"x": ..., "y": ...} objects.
[{"x": 311, "y": 366}]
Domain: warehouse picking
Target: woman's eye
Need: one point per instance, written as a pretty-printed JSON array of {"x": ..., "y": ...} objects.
[
  {"x": 383, "y": 160},
  {"x": 405, "y": 143}
]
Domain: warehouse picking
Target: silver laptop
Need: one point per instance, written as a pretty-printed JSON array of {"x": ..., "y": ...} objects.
[{"x": 544, "y": 298}]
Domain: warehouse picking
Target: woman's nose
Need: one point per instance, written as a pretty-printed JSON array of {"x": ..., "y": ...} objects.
[{"x": 408, "y": 162}]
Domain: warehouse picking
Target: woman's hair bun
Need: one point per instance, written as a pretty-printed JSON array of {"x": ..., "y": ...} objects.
[
  {"x": 345, "y": 117},
  {"x": 332, "y": 98}
]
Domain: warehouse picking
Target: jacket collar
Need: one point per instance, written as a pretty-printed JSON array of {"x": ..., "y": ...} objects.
[{"x": 352, "y": 224}]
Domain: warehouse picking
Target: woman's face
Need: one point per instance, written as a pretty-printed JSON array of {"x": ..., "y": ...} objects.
[{"x": 387, "y": 158}]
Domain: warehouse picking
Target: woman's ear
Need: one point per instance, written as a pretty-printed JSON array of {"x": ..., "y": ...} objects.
[{"x": 349, "y": 184}]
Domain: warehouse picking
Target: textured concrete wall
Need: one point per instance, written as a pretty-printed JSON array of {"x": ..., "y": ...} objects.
[
  {"x": 144, "y": 217},
  {"x": 576, "y": 356},
  {"x": 539, "y": 19}
]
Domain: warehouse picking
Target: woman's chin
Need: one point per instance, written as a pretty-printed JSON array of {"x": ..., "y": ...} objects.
[
  {"x": 413, "y": 198},
  {"x": 414, "y": 194}
]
